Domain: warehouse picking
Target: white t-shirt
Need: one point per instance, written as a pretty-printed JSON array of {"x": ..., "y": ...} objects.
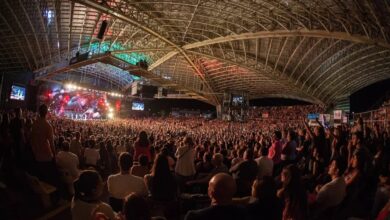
[
  {"x": 120, "y": 186},
  {"x": 185, "y": 161},
  {"x": 331, "y": 194},
  {"x": 68, "y": 161},
  {"x": 120, "y": 148},
  {"x": 265, "y": 166},
  {"x": 91, "y": 156},
  {"x": 83, "y": 211}
]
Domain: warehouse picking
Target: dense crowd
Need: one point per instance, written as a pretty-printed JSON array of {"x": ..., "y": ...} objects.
[
  {"x": 285, "y": 113},
  {"x": 164, "y": 167}
]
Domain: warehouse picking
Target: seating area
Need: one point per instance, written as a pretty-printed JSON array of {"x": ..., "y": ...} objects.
[{"x": 182, "y": 157}]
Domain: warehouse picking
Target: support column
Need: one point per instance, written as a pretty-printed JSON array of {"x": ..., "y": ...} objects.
[{"x": 219, "y": 111}]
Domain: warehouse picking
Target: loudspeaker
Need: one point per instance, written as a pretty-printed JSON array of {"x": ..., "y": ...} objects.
[
  {"x": 102, "y": 30},
  {"x": 143, "y": 64},
  {"x": 148, "y": 91},
  {"x": 164, "y": 92}
]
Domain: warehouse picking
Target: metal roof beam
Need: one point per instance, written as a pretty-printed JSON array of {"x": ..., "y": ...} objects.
[
  {"x": 293, "y": 33},
  {"x": 281, "y": 79},
  {"x": 276, "y": 34},
  {"x": 103, "y": 8}
]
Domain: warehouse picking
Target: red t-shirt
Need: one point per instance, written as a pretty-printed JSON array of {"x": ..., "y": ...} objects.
[
  {"x": 139, "y": 150},
  {"x": 275, "y": 152},
  {"x": 383, "y": 215}
]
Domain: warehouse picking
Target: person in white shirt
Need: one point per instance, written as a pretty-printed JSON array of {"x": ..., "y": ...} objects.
[
  {"x": 185, "y": 156},
  {"x": 331, "y": 194},
  {"x": 92, "y": 155},
  {"x": 68, "y": 161},
  {"x": 266, "y": 165},
  {"x": 123, "y": 183},
  {"x": 185, "y": 165}
]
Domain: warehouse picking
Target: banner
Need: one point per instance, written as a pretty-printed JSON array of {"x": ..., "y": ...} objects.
[
  {"x": 337, "y": 114},
  {"x": 345, "y": 119}
]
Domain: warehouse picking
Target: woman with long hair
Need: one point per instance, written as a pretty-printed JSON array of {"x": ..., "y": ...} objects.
[
  {"x": 142, "y": 146},
  {"x": 267, "y": 204},
  {"x": 320, "y": 152},
  {"x": 293, "y": 194},
  {"x": 160, "y": 182},
  {"x": 355, "y": 170}
]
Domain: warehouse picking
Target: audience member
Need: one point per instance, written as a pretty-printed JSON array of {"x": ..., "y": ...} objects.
[
  {"x": 245, "y": 173},
  {"x": 161, "y": 183},
  {"x": 136, "y": 207},
  {"x": 293, "y": 194},
  {"x": 275, "y": 151},
  {"x": 142, "y": 146},
  {"x": 68, "y": 161},
  {"x": 331, "y": 194},
  {"x": 123, "y": 183},
  {"x": 75, "y": 145},
  {"x": 142, "y": 168},
  {"x": 185, "y": 167},
  {"x": 43, "y": 148},
  {"x": 88, "y": 189},
  {"x": 222, "y": 188},
  {"x": 267, "y": 204},
  {"x": 265, "y": 165}
]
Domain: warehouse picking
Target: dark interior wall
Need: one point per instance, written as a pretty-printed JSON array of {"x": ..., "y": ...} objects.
[
  {"x": 370, "y": 97},
  {"x": 156, "y": 106},
  {"x": 24, "y": 79}
]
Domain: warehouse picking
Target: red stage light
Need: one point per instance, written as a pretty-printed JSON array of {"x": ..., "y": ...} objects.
[{"x": 118, "y": 105}]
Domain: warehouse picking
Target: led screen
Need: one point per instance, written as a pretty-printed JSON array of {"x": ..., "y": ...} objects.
[
  {"x": 18, "y": 93},
  {"x": 138, "y": 106}
]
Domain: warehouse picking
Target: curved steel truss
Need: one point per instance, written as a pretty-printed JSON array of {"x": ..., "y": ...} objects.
[{"x": 315, "y": 50}]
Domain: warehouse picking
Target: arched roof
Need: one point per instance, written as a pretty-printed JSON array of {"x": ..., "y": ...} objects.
[{"x": 313, "y": 50}]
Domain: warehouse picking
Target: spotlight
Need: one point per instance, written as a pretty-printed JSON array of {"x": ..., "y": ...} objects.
[
  {"x": 110, "y": 115},
  {"x": 68, "y": 86},
  {"x": 110, "y": 109}
]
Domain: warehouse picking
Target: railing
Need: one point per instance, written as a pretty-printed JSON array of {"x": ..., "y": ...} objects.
[{"x": 379, "y": 116}]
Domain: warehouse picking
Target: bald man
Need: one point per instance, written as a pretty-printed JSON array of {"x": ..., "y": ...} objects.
[{"x": 221, "y": 189}]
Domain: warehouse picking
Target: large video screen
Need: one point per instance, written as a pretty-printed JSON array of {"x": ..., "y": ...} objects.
[
  {"x": 18, "y": 93},
  {"x": 237, "y": 100},
  {"x": 138, "y": 106}
]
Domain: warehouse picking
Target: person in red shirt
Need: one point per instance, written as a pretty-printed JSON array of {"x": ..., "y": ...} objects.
[
  {"x": 142, "y": 146},
  {"x": 275, "y": 151}
]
